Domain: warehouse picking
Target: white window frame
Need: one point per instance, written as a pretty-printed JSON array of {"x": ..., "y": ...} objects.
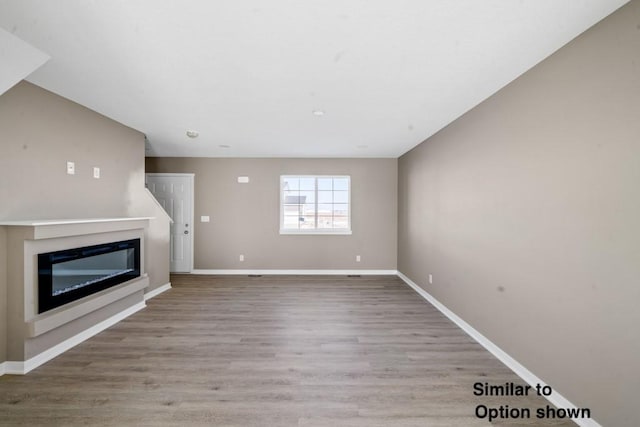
[{"x": 316, "y": 231}]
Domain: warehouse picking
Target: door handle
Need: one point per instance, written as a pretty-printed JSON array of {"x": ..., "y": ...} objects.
[{"x": 186, "y": 231}]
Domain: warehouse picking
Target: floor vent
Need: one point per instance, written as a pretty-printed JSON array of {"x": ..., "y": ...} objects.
[
  {"x": 353, "y": 275},
  {"x": 255, "y": 275}
]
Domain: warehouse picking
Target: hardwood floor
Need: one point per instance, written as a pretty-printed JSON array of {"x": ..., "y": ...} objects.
[{"x": 270, "y": 351}]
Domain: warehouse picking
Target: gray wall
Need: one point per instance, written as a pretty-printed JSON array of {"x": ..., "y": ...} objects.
[
  {"x": 39, "y": 132},
  {"x": 526, "y": 209},
  {"x": 245, "y": 217}
]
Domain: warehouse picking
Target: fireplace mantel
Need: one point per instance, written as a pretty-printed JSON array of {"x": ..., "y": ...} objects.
[
  {"x": 34, "y": 338},
  {"x": 51, "y": 228},
  {"x": 45, "y": 222}
]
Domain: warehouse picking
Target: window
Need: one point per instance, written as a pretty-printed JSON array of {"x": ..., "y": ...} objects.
[{"x": 315, "y": 204}]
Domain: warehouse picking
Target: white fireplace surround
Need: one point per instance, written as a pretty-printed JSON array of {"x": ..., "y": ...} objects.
[{"x": 32, "y": 338}]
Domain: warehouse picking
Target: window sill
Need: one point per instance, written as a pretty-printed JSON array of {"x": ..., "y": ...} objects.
[{"x": 317, "y": 232}]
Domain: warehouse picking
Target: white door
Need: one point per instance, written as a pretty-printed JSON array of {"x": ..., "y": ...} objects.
[{"x": 174, "y": 191}]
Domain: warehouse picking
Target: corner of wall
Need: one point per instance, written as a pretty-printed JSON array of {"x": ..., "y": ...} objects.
[
  {"x": 3, "y": 295},
  {"x": 156, "y": 255}
]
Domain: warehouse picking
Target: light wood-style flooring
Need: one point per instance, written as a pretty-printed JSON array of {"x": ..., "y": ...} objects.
[{"x": 269, "y": 351}]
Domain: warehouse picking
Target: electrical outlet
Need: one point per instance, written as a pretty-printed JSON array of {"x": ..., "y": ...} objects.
[
  {"x": 71, "y": 168},
  {"x": 357, "y": 258},
  {"x": 96, "y": 172},
  {"x": 431, "y": 279},
  {"x": 241, "y": 258},
  {"x": 205, "y": 218}
]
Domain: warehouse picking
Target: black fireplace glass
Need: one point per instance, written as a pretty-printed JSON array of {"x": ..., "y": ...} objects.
[{"x": 65, "y": 276}]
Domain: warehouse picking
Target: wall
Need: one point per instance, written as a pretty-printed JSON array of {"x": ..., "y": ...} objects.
[
  {"x": 40, "y": 131},
  {"x": 525, "y": 210},
  {"x": 3, "y": 295},
  {"x": 245, "y": 217},
  {"x": 156, "y": 237}
]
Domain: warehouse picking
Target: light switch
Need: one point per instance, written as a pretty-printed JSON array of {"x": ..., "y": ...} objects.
[
  {"x": 204, "y": 218},
  {"x": 96, "y": 172},
  {"x": 243, "y": 179},
  {"x": 71, "y": 168}
]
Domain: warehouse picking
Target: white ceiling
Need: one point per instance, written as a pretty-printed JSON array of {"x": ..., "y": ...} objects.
[
  {"x": 248, "y": 74},
  {"x": 18, "y": 59}
]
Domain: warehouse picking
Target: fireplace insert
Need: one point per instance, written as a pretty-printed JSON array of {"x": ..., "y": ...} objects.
[{"x": 68, "y": 275}]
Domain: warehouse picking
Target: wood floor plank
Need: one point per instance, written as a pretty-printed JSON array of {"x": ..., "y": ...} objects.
[{"x": 270, "y": 351}]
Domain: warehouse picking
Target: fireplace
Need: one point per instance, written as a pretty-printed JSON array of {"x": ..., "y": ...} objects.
[{"x": 67, "y": 275}]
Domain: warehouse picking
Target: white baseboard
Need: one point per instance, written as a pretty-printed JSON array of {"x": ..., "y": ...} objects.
[
  {"x": 529, "y": 377},
  {"x": 21, "y": 368},
  {"x": 157, "y": 291},
  {"x": 15, "y": 368},
  {"x": 300, "y": 272}
]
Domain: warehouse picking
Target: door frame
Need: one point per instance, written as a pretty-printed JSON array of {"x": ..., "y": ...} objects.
[{"x": 191, "y": 181}]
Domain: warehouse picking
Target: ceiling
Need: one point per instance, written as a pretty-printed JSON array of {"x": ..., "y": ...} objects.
[
  {"x": 249, "y": 75},
  {"x": 18, "y": 59}
]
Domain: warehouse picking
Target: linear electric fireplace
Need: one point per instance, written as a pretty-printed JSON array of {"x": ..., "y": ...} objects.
[{"x": 67, "y": 275}]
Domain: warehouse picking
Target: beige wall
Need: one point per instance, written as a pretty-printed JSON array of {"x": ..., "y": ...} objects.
[
  {"x": 40, "y": 131},
  {"x": 156, "y": 237},
  {"x": 245, "y": 217},
  {"x": 526, "y": 209},
  {"x": 3, "y": 295}
]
